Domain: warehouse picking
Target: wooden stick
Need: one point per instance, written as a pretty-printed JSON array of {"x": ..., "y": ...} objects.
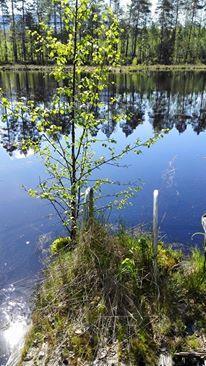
[
  {"x": 155, "y": 221},
  {"x": 89, "y": 204}
]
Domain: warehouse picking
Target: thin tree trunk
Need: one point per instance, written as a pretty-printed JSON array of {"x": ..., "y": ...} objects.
[
  {"x": 188, "y": 51},
  {"x": 4, "y": 30},
  {"x": 135, "y": 37},
  {"x": 23, "y": 33},
  {"x": 31, "y": 49},
  {"x": 175, "y": 32},
  {"x": 73, "y": 154},
  {"x": 60, "y": 19},
  {"x": 55, "y": 20},
  {"x": 14, "y": 33},
  {"x": 128, "y": 34},
  {"x": 127, "y": 45}
]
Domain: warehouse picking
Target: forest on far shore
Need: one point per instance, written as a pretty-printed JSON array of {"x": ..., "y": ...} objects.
[{"x": 174, "y": 34}]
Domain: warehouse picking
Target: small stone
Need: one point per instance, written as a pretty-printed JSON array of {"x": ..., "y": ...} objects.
[
  {"x": 102, "y": 354},
  {"x": 41, "y": 355},
  {"x": 79, "y": 331},
  {"x": 28, "y": 357}
]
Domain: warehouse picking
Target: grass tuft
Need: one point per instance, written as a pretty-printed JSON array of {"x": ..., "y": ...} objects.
[{"x": 104, "y": 296}]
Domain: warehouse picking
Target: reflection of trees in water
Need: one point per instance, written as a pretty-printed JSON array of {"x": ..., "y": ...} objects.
[
  {"x": 129, "y": 104},
  {"x": 165, "y": 111},
  {"x": 15, "y": 131},
  {"x": 134, "y": 117},
  {"x": 178, "y": 111},
  {"x": 172, "y": 102}
]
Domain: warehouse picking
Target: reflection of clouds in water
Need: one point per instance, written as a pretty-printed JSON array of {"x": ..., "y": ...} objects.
[
  {"x": 15, "y": 333},
  {"x": 20, "y": 155},
  {"x": 168, "y": 175},
  {"x": 168, "y": 178},
  {"x": 14, "y": 339},
  {"x": 14, "y": 319}
]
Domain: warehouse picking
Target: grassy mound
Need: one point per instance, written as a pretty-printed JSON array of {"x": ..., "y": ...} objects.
[{"x": 103, "y": 298}]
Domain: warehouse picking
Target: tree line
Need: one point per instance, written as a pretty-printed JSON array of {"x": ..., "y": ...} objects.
[{"x": 175, "y": 33}]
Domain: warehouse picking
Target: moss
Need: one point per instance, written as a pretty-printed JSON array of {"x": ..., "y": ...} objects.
[
  {"x": 143, "y": 349},
  {"x": 105, "y": 291},
  {"x": 192, "y": 342},
  {"x": 60, "y": 244}
]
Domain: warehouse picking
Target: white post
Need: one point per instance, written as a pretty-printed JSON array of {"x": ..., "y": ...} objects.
[
  {"x": 204, "y": 228},
  {"x": 155, "y": 219},
  {"x": 165, "y": 360},
  {"x": 155, "y": 229},
  {"x": 88, "y": 204}
]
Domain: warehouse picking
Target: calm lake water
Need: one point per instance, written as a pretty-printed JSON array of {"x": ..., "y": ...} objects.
[{"x": 176, "y": 165}]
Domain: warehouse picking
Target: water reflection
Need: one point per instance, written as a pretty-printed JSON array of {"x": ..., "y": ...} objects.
[
  {"x": 169, "y": 102},
  {"x": 14, "y": 319},
  {"x": 176, "y": 165},
  {"x": 168, "y": 175}
]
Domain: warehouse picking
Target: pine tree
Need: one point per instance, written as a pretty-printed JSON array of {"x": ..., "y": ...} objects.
[
  {"x": 5, "y": 22},
  {"x": 13, "y": 30},
  {"x": 165, "y": 11},
  {"x": 140, "y": 10},
  {"x": 193, "y": 9}
]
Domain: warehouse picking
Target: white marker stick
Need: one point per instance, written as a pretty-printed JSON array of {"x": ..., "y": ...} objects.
[{"x": 155, "y": 222}]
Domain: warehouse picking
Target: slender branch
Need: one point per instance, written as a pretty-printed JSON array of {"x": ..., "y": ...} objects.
[
  {"x": 81, "y": 143},
  {"x": 103, "y": 162},
  {"x": 55, "y": 208},
  {"x": 64, "y": 155}
]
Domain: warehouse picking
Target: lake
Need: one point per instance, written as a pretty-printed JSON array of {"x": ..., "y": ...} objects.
[{"x": 176, "y": 165}]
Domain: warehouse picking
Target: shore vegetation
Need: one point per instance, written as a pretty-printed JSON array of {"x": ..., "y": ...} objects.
[{"x": 102, "y": 302}]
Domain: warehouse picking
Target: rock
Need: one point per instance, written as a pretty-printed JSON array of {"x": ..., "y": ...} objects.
[
  {"x": 41, "y": 355},
  {"x": 28, "y": 357},
  {"x": 28, "y": 363},
  {"x": 108, "y": 357},
  {"x": 31, "y": 354},
  {"x": 102, "y": 354},
  {"x": 80, "y": 331}
]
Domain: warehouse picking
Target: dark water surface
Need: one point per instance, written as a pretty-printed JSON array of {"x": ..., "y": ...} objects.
[{"x": 176, "y": 165}]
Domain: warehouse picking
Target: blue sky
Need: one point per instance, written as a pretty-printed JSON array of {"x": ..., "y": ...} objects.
[{"x": 154, "y": 3}]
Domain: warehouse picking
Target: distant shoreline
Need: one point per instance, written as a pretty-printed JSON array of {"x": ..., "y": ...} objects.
[{"x": 117, "y": 69}]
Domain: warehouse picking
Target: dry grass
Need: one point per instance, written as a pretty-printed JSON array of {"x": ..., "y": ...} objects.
[{"x": 104, "y": 293}]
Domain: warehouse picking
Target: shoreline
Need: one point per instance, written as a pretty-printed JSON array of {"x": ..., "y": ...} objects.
[{"x": 117, "y": 69}]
